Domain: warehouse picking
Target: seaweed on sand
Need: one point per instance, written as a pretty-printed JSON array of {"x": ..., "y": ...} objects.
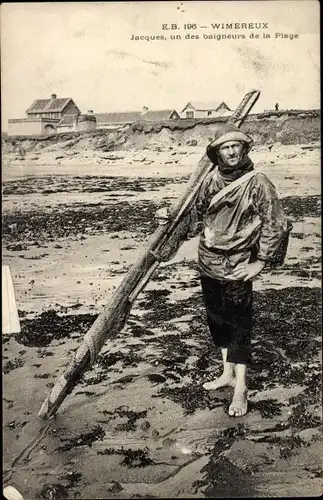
[
  {"x": 301, "y": 418},
  {"x": 191, "y": 397},
  {"x": 12, "y": 364},
  {"x": 162, "y": 310},
  {"x": 225, "y": 480},
  {"x": 302, "y": 206},
  {"x": 89, "y": 184},
  {"x": 84, "y": 439},
  {"x": 286, "y": 327},
  {"x": 77, "y": 221},
  {"x": 131, "y": 416},
  {"x": 49, "y": 326},
  {"x": 268, "y": 408},
  {"x": 53, "y": 492},
  {"x": 132, "y": 457}
]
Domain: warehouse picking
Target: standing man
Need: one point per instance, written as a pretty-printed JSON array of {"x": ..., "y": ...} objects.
[{"x": 242, "y": 232}]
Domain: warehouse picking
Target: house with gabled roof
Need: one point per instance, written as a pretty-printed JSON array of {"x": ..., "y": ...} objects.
[
  {"x": 160, "y": 115},
  {"x": 43, "y": 116},
  {"x": 53, "y": 108},
  {"x": 196, "y": 109}
]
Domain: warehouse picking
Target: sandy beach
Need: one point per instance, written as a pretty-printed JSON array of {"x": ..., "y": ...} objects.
[{"x": 140, "y": 424}]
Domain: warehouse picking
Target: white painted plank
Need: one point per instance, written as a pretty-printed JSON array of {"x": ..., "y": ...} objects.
[{"x": 10, "y": 319}]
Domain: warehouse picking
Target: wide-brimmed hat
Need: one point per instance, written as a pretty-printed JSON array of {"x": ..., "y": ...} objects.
[{"x": 225, "y": 134}]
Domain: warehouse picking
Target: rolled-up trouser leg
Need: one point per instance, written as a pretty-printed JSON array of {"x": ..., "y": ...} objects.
[{"x": 229, "y": 316}]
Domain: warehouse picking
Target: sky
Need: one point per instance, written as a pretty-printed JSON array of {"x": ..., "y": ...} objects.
[{"x": 84, "y": 51}]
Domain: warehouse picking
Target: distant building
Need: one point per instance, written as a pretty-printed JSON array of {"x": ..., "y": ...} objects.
[
  {"x": 58, "y": 115},
  {"x": 43, "y": 116},
  {"x": 160, "y": 115},
  {"x": 195, "y": 109},
  {"x": 116, "y": 120},
  {"x": 119, "y": 120},
  {"x": 77, "y": 123},
  {"x": 52, "y": 108}
]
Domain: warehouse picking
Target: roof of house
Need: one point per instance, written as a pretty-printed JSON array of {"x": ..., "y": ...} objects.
[
  {"x": 158, "y": 115},
  {"x": 123, "y": 117},
  {"x": 133, "y": 116},
  {"x": 204, "y": 106},
  {"x": 224, "y": 112},
  {"x": 49, "y": 105}
]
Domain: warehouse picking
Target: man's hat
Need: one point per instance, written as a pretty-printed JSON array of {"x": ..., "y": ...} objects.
[{"x": 227, "y": 133}]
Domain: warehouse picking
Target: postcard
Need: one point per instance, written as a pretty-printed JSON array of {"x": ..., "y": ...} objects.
[{"x": 161, "y": 249}]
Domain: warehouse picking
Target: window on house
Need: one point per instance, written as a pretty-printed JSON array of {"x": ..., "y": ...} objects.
[
  {"x": 189, "y": 114},
  {"x": 209, "y": 113}
]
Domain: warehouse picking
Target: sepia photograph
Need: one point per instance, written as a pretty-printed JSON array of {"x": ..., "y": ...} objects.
[{"x": 161, "y": 249}]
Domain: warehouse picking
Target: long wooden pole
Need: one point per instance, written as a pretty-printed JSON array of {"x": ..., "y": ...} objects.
[{"x": 115, "y": 314}]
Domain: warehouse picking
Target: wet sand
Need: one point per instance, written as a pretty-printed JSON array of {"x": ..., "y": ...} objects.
[{"x": 140, "y": 424}]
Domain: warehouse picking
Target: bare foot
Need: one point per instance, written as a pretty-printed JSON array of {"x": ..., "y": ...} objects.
[
  {"x": 223, "y": 381},
  {"x": 239, "y": 405}
]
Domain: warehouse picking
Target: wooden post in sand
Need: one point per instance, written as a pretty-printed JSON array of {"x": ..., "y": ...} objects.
[{"x": 160, "y": 247}]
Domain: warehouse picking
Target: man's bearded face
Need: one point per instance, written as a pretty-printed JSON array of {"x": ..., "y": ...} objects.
[{"x": 231, "y": 153}]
